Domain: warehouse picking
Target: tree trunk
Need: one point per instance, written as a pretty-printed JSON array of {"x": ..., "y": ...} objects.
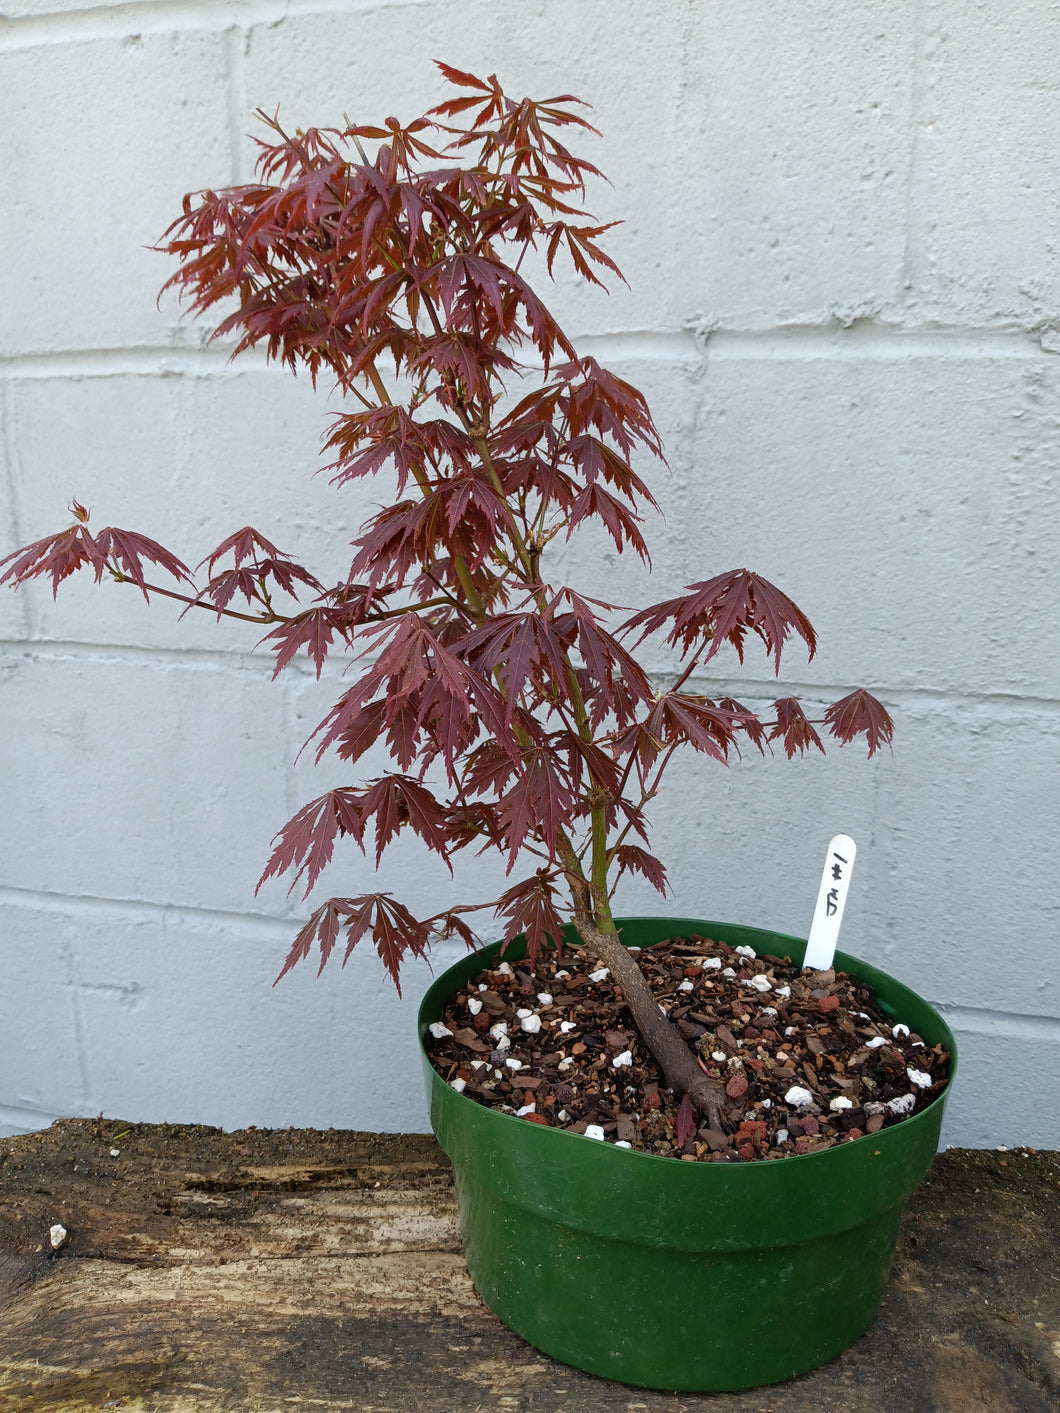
[{"x": 680, "y": 1067}]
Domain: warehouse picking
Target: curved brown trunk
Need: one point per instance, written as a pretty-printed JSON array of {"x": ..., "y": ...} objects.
[{"x": 679, "y": 1065}]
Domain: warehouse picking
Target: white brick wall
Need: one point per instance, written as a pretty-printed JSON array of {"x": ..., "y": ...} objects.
[{"x": 844, "y": 304}]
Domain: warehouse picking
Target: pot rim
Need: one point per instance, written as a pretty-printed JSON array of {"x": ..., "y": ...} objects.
[{"x": 895, "y": 1135}]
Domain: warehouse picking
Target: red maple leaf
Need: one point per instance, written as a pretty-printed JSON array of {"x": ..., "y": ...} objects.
[
  {"x": 725, "y": 609},
  {"x": 793, "y": 727},
  {"x": 531, "y": 907},
  {"x": 859, "y": 712},
  {"x": 631, "y": 858},
  {"x": 684, "y": 1123}
]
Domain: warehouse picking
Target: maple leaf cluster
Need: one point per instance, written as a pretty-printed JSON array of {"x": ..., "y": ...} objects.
[{"x": 386, "y": 256}]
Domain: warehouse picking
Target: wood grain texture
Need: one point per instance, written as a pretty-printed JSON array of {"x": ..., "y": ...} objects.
[{"x": 257, "y": 1272}]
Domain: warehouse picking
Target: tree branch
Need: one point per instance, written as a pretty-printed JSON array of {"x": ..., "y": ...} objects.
[{"x": 680, "y": 1067}]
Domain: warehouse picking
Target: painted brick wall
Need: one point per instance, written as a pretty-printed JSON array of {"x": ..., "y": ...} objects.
[{"x": 843, "y": 249}]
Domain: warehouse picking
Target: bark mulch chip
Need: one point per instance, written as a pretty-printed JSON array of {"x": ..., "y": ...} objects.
[{"x": 806, "y": 1058}]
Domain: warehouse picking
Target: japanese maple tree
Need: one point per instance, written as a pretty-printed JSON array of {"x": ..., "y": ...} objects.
[{"x": 514, "y": 709}]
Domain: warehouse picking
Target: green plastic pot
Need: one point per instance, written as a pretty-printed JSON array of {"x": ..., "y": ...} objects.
[{"x": 694, "y": 1277}]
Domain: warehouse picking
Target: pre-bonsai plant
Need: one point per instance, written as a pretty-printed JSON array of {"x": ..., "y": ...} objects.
[
  {"x": 516, "y": 693},
  {"x": 514, "y": 709}
]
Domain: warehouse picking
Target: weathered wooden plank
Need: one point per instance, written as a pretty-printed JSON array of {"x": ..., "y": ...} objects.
[{"x": 205, "y": 1272}]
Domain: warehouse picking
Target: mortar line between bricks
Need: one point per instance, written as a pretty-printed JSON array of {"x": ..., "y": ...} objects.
[
  {"x": 902, "y": 698},
  {"x": 872, "y": 340},
  {"x": 202, "y": 659},
  {"x": 918, "y": 57},
  {"x": 21, "y": 1116},
  {"x": 90, "y": 905},
  {"x": 236, "y": 98},
  {"x": 165, "y": 16},
  {"x": 143, "y": 361},
  {"x": 252, "y": 927},
  {"x": 82, "y": 1046},
  {"x": 808, "y": 342},
  {"x": 991, "y": 1022},
  {"x": 11, "y": 469},
  {"x": 978, "y": 1020},
  {"x": 100, "y": 654}
]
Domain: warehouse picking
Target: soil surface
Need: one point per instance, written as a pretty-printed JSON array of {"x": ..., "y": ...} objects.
[
  {"x": 253, "y": 1272},
  {"x": 806, "y": 1058}
]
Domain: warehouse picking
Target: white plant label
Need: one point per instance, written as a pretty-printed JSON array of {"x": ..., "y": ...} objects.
[{"x": 831, "y": 899}]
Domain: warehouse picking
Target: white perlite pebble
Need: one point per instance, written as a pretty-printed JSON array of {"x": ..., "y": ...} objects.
[
  {"x": 632, "y": 949},
  {"x": 920, "y": 1078},
  {"x": 600, "y": 975},
  {"x": 526, "y": 1109},
  {"x": 783, "y": 990},
  {"x": 789, "y": 1030},
  {"x": 477, "y": 1064},
  {"x": 482, "y": 986},
  {"x": 523, "y": 1013},
  {"x": 57, "y": 1235},
  {"x": 623, "y": 1061},
  {"x": 115, "y": 1152},
  {"x": 781, "y": 1136},
  {"x": 499, "y": 1030},
  {"x": 563, "y": 975},
  {"x": 439, "y": 1031},
  {"x": 718, "y": 1055},
  {"x": 746, "y": 952},
  {"x": 760, "y": 983},
  {"x": 563, "y": 1116},
  {"x": 767, "y": 1011},
  {"x": 728, "y": 971},
  {"x": 594, "y": 1131},
  {"x": 798, "y": 1097},
  {"x": 767, "y": 1103},
  {"x": 502, "y": 1044},
  {"x": 899, "y": 1030},
  {"x": 712, "y": 964},
  {"x": 513, "y": 1064},
  {"x": 841, "y": 1102},
  {"x": 505, "y": 969},
  {"x": 458, "y": 1085},
  {"x": 686, "y": 986},
  {"x": 544, "y": 998},
  {"x": 565, "y": 1063},
  {"x": 904, "y": 1104},
  {"x": 875, "y": 1042},
  {"x": 530, "y": 1024},
  {"x": 567, "y": 1026},
  {"x": 621, "y": 1142},
  {"x": 474, "y": 1005}
]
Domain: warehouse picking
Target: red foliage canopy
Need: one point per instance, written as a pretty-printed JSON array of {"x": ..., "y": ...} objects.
[{"x": 515, "y": 716}]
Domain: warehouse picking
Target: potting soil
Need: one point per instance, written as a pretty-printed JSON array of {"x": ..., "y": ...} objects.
[{"x": 806, "y": 1058}]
